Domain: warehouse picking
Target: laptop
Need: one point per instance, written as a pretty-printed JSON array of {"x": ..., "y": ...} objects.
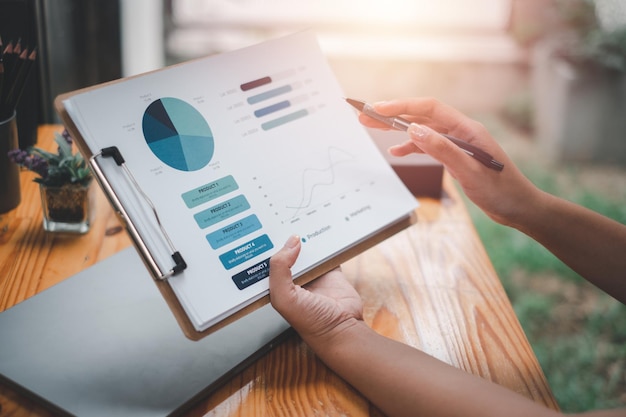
[{"x": 105, "y": 343}]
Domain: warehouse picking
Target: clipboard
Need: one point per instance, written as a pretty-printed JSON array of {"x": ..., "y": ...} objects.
[{"x": 165, "y": 276}]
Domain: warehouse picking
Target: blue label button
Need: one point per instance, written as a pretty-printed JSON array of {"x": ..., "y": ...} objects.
[{"x": 246, "y": 251}]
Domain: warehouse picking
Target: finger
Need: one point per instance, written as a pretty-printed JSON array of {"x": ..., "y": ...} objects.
[
  {"x": 433, "y": 113},
  {"x": 281, "y": 281},
  {"x": 405, "y": 148},
  {"x": 322, "y": 281},
  {"x": 419, "y": 106},
  {"x": 442, "y": 149},
  {"x": 371, "y": 122}
]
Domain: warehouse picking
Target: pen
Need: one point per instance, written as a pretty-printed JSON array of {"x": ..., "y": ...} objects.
[{"x": 402, "y": 124}]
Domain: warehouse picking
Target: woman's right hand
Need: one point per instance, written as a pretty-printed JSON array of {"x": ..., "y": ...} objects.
[{"x": 502, "y": 195}]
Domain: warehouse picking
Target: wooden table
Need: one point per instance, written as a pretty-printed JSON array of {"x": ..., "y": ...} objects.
[{"x": 431, "y": 286}]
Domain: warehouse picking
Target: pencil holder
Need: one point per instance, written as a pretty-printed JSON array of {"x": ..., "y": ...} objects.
[{"x": 10, "y": 195}]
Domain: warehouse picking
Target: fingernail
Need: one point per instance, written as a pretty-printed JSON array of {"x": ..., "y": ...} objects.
[
  {"x": 378, "y": 103},
  {"x": 417, "y": 131},
  {"x": 292, "y": 242}
]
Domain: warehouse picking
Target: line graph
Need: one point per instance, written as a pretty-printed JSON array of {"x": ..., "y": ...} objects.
[
  {"x": 309, "y": 186},
  {"x": 312, "y": 178},
  {"x": 316, "y": 181}
]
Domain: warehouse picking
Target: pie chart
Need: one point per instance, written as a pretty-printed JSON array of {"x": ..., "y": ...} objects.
[{"x": 177, "y": 134}]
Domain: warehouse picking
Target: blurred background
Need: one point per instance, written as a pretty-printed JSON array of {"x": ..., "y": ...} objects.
[{"x": 547, "y": 77}]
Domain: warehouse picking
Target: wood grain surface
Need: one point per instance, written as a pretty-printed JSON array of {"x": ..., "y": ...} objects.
[{"x": 431, "y": 286}]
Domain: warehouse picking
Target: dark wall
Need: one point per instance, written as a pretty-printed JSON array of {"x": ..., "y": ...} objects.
[
  {"x": 78, "y": 45},
  {"x": 17, "y": 21},
  {"x": 83, "y": 46}
]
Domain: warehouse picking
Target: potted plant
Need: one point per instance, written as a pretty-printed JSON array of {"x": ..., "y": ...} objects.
[
  {"x": 65, "y": 184},
  {"x": 578, "y": 79}
]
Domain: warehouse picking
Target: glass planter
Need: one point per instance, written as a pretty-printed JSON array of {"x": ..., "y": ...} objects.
[{"x": 68, "y": 208}]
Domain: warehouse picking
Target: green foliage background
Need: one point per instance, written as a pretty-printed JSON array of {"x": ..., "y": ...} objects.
[{"x": 577, "y": 332}]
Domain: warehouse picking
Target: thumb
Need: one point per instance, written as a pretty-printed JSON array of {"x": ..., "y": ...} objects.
[
  {"x": 281, "y": 283},
  {"x": 437, "y": 146}
]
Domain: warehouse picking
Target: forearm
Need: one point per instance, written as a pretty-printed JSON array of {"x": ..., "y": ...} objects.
[
  {"x": 592, "y": 245},
  {"x": 403, "y": 381}
]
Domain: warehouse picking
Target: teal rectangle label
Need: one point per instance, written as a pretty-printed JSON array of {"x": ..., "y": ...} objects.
[
  {"x": 285, "y": 119},
  {"x": 221, "y": 211},
  {"x": 269, "y": 94},
  {"x": 233, "y": 231},
  {"x": 210, "y": 191},
  {"x": 246, "y": 251}
]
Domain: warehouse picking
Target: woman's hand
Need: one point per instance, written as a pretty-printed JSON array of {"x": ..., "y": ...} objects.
[
  {"x": 319, "y": 310},
  {"x": 502, "y": 195}
]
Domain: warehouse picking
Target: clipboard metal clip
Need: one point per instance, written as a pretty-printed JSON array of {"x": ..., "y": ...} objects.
[{"x": 157, "y": 271}]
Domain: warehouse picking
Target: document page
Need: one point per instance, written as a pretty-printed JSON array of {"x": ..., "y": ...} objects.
[{"x": 236, "y": 152}]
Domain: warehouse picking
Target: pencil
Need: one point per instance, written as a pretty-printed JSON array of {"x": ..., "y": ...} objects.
[
  {"x": 1, "y": 79},
  {"x": 15, "y": 66},
  {"x": 1, "y": 66},
  {"x": 15, "y": 77},
  {"x": 12, "y": 57},
  {"x": 7, "y": 56},
  {"x": 20, "y": 83}
]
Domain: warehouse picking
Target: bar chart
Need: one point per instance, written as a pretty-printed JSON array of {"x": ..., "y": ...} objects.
[{"x": 277, "y": 99}]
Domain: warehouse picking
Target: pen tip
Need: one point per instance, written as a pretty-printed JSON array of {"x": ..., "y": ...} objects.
[{"x": 355, "y": 103}]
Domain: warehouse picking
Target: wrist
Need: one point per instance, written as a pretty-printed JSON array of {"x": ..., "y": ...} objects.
[
  {"x": 520, "y": 203},
  {"x": 533, "y": 212},
  {"x": 328, "y": 343}
]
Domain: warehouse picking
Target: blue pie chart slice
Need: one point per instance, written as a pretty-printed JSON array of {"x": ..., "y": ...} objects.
[{"x": 177, "y": 134}]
